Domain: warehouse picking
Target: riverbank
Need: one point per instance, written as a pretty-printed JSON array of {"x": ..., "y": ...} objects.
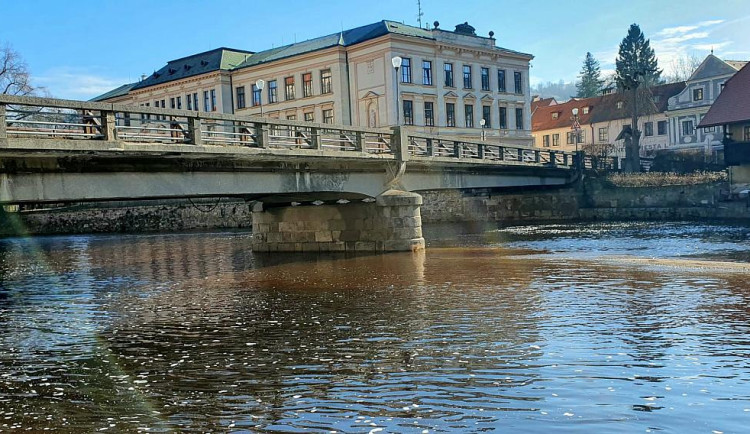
[{"x": 593, "y": 199}]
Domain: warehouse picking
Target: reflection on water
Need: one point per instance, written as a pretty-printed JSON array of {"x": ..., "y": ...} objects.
[{"x": 518, "y": 329}]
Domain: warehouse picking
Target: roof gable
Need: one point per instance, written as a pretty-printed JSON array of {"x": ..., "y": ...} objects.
[
  {"x": 712, "y": 66},
  {"x": 732, "y": 104}
]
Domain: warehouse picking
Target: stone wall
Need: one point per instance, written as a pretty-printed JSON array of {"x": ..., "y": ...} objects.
[{"x": 129, "y": 217}]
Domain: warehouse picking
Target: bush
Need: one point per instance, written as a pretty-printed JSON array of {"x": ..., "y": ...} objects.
[{"x": 658, "y": 179}]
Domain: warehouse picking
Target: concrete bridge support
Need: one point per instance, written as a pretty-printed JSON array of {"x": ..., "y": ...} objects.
[{"x": 391, "y": 223}]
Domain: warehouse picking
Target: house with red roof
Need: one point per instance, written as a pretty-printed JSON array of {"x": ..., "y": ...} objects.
[{"x": 731, "y": 113}]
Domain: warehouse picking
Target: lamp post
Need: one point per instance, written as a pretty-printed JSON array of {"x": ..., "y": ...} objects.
[
  {"x": 260, "y": 84},
  {"x": 483, "y": 122},
  {"x": 396, "y": 61},
  {"x": 576, "y": 135}
]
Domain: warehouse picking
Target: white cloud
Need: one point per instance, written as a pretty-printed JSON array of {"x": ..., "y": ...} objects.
[{"x": 76, "y": 83}]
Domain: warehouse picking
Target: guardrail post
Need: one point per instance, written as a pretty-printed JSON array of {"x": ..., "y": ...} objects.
[
  {"x": 3, "y": 124},
  {"x": 501, "y": 153},
  {"x": 520, "y": 155},
  {"x": 553, "y": 158},
  {"x": 262, "y": 136},
  {"x": 400, "y": 139},
  {"x": 359, "y": 141},
  {"x": 480, "y": 151},
  {"x": 108, "y": 125},
  {"x": 538, "y": 156},
  {"x": 315, "y": 140},
  {"x": 457, "y": 149},
  {"x": 194, "y": 128},
  {"x": 430, "y": 148}
]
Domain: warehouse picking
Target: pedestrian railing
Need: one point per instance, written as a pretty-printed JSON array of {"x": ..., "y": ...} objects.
[{"x": 48, "y": 118}]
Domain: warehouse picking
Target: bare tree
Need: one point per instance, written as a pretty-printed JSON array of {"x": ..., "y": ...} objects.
[
  {"x": 682, "y": 67},
  {"x": 14, "y": 74}
]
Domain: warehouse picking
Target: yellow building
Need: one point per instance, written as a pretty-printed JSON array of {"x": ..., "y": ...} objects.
[{"x": 448, "y": 82}]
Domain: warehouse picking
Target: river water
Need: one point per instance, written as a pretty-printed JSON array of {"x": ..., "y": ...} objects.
[{"x": 623, "y": 327}]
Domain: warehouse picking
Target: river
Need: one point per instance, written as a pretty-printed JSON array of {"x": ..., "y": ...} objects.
[{"x": 618, "y": 327}]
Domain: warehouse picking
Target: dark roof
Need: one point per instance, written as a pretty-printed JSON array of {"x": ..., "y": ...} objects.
[
  {"x": 214, "y": 60},
  {"x": 733, "y": 104},
  {"x": 542, "y": 102},
  {"x": 120, "y": 91},
  {"x": 348, "y": 38},
  {"x": 712, "y": 66},
  {"x": 601, "y": 108}
]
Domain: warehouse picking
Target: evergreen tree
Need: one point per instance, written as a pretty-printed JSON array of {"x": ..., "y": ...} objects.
[
  {"x": 590, "y": 83},
  {"x": 637, "y": 70}
]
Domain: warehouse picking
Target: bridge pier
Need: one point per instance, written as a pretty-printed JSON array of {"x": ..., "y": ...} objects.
[{"x": 391, "y": 223}]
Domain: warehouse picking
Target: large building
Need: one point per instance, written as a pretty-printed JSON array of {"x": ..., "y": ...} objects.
[
  {"x": 687, "y": 108},
  {"x": 448, "y": 82},
  {"x": 601, "y": 120}
]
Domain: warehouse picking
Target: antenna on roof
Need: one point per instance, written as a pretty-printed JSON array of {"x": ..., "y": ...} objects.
[{"x": 419, "y": 13}]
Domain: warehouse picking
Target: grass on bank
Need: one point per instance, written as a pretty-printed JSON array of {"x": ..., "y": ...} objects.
[{"x": 659, "y": 179}]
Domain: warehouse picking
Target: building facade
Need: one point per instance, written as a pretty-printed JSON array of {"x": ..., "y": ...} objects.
[
  {"x": 448, "y": 82},
  {"x": 601, "y": 120},
  {"x": 687, "y": 109}
]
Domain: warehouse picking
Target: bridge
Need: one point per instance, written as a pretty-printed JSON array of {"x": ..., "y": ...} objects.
[{"x": 315, "y": 186}]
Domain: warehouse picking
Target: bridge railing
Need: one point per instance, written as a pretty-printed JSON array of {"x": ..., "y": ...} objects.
[
  {"x": 32, "y": 117},
  {"x": 431, "y": 146}
]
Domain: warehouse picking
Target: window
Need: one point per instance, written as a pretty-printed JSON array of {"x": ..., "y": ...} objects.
[
  {"x": 256, "y": 96},
  {"x": 545, "y": 141},
  {"x": 289, "y": 88},
  {"x": 556, "y": 139},
  {"x": 746, "y": 134},
  {"x": 189, "y": 100},
  {"x": 213, "y": 99},
  {"x": 555, "y": 115},
  {"x": 195, "y": 101},
  {"x": 648, "y": 128},
  {"x": 163, "y": 105},
  {"x": 581, "y": 136},
  {"x": 328, "y": 116},
  {"x": 469, "y": 115},
  {"x": 408, "y": 112},
  {"x": 519, "y": 118},
  {"x": 325, "y": 81},
  {"x": 405, "y": 70},
  {"x": 486, "y": 115},
  {"x": 179, "y": 103},
  {"x": 291, "y": 117},
  {"x": 485, "y": 79},
  {"x": 307, "y": 85},
  {"x": 309, "y": 117},
  {"x": 698, "y": 94},
  {"x": 661, "y": 128},
  {"x": 603, "y": 134},
  {"x": 687, "y": 128},
  {"x": 586, "y": 110},
  {"x": 172, "y": 103},
  {"x": 503, "y": 124},
  {"x": 518, "y": 82},
  {"x": 241, "y": 97},
  {"x": 450, "y": 114},
  {"x": 429, "y": 114},
  {"x": 273, "y": 92},
  {"x": 570, "y": 139},
  {"x": 206, "y": 102},
  {"x": 619, "y": 104},
  {"x": 448, "y": 75},
  {"x": 427, "y": 72},
  {"x": 467, "y": 76},
  {"x": 501, "y": 80}
]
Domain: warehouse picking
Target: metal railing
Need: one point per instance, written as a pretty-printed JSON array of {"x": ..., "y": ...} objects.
[{"x": 31, "y": 117}]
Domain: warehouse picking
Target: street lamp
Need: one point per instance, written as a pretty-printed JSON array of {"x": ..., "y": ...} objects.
[
  {"x": 482, "y": 122},
  {"x": 260, "y": 84},
  {"x": 396, "y": 61},
  {"x": 576, "y": 134}
]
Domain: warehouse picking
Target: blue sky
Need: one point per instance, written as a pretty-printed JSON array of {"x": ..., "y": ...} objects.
[{"x": 83, "y": 48}]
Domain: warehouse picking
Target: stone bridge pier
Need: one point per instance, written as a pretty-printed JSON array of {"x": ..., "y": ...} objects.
[{"x": 392, "y": 222}]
